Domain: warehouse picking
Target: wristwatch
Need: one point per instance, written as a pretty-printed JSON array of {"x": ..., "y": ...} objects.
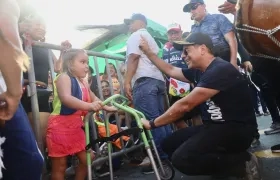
[{"x": 152, "y": 124}]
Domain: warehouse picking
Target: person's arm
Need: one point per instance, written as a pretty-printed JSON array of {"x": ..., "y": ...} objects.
[
  {"x": 132, "y": 63},
  {"x": 106, "y": 108},
  {"x": 66, "y": 45},
  {"x": 226, "y": 27},
  {"x": 245, "y": 57},
  {"x": 57, "y": 63},
  {"x": 197, "y": 96},
  {"x": 166, "y": 68},
  {"x": 163, "y": 66},
  {"x": 11, "y": 67},
  {"x": 231, "y": 39},
  {"x": 219, "y": 78},
  {"x": 133, "y": 55},
  {"x": 63, "y": 85},
  {"x": 228, "y": 7}
]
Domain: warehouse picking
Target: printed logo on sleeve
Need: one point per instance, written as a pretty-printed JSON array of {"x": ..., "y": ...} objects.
[{"x": 214, "y": 111}]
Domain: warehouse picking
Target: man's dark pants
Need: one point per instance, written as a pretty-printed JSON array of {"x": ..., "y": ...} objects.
[
  {"x": 22, "y": 158},
  {"x": 209, "y": 149},
  {"x": 269, "y": 96}
]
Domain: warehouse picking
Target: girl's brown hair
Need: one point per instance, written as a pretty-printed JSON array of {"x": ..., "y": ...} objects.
[{"x": 68, "y": 58}]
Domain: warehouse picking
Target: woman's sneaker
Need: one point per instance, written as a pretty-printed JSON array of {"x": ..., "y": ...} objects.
[{"x": 253, "y": 169}]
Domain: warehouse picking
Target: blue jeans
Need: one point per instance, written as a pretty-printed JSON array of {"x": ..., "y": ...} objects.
[
  {"x": 148, "y": 97},
  {"x": 22, "y": 158}
]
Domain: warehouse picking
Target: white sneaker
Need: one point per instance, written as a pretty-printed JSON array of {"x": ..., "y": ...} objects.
[
  {"x": 253, "y": 169},
  {"x": 146, "y": 161},
  {"x": 124, "y": 128},
  {"x": 104, "y": 149}
]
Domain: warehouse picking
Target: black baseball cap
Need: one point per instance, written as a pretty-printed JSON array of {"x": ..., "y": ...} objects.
[
  {"x": 187, "y": 7},
  {"x": 194, "y": 39},
  {"x": 134, "y": 17}
]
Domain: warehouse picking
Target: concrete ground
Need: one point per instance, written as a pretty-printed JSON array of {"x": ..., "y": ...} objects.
[{"x": 270, "y": 162}]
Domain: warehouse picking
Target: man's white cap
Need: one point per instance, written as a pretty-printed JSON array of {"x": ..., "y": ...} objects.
[{"x": 174, "y": 27}]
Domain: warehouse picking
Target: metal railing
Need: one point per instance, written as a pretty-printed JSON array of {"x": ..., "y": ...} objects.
[{"x": 32, "y": 92}]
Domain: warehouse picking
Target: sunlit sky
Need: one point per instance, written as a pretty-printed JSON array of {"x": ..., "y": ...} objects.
[{"x": 62, "y": 15}]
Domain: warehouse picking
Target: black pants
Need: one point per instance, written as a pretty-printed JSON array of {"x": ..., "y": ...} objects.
[
  {"x": 269, "y": 69},
  {"x": 256, "y": 97},
  {"x": 209, "y": 149},
  {"x": 268, "y": 95}
]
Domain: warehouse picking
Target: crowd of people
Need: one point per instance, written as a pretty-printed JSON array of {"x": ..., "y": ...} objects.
[{"x": 213, "y": 105}]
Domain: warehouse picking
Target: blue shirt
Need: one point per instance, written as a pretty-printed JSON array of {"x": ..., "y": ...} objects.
[
  {"x": 173, "y": 56},
  {"x": 216, "y": 26}
]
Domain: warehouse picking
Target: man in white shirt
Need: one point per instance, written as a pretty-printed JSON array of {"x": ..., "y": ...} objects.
[{"x": 144, "y": 83}]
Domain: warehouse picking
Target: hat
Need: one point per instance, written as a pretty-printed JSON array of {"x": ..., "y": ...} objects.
[
  {"x": 194, "y": 39},
  {"x": 174, "y": 27},
  {"x": 134, "y": 17},
  {"x": 187, "y": 7}
]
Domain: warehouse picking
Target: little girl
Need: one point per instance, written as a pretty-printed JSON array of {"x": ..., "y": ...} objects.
[{"x": 72, "y": 100}]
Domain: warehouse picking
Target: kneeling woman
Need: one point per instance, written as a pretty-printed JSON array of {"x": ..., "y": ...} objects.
[{"x": 72, "y": 100}]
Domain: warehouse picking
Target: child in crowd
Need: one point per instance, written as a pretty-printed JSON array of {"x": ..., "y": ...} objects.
[
  {"x": 72, "y": 100},
  {"x": 114, "y": 75}
]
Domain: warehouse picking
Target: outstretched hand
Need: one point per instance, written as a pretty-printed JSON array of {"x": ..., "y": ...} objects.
[
  {"x": 144, "y": 45},
  {"x": 96, "y": 106},
  {"x": 227, "y": 8},
  {"x": 66, "y": 45},
  {"x": 146, "y": 123}
]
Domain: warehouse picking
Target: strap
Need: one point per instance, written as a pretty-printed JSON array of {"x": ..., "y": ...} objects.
[{"x": 113, "y": 138}]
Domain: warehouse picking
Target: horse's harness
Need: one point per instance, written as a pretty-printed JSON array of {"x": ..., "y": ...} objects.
[{"x": 269, "y": 33}]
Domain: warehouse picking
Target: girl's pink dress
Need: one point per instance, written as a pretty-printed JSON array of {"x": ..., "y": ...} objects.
[{"x": 65, "y": 135}]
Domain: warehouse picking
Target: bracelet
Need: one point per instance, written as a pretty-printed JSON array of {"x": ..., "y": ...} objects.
[{"x": 152, "y": 124}]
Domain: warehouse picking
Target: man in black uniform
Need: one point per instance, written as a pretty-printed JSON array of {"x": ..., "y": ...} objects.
[{"x": 218, "y": 148}]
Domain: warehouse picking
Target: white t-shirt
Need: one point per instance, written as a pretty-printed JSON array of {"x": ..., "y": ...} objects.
[{"x": 145, "y": 67}]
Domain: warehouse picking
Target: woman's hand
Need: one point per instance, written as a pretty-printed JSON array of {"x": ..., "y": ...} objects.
[{"x": 96, "y": 106}]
